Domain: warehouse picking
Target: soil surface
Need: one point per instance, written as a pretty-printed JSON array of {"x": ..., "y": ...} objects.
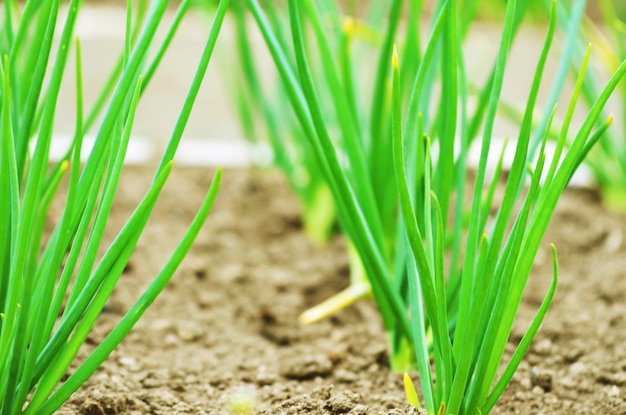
[{"x": 224, "y": 331}]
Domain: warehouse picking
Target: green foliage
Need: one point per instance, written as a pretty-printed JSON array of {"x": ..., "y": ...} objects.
[
  {"x": 607, "y": 160},
  {"x": 498, "y": 260},
  {"x": 52, "y": 289},
  {"x": 347, "y": 101},
  {"x": 348, "y": 57},
  {"x": 447, "y": 277},
  {"x": 265, "y": 117}
]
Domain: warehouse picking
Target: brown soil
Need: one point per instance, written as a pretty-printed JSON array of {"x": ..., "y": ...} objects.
[{"x": 225, "y": 329}]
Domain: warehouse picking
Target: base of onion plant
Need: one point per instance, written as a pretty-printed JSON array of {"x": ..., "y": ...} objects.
[
  {"x": 358, "y": 289},
  {"x": 52, "y": 291},
  {"x": 265, "y": 118}
]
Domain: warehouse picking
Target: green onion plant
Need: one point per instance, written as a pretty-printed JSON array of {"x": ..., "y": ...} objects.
[
  {"x": 497, "y": 261},
  {"x": 351, "y": 74},
  {"x": 53, "y": 287},
  {"x": 448, "y": 278},
  {"x": 357, "y": 123}
]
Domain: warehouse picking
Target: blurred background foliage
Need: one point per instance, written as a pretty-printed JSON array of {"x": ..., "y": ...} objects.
[{"x": 490, "y": 10}]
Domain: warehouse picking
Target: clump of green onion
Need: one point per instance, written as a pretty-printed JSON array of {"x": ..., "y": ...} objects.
[
  {"x": 453, "y": 313},
  {"x": 53, "y": 289},
  {"x": 498, "y": 260},
  {"x": 351, "y": 142},
  {"x": 356, "y": 112}
]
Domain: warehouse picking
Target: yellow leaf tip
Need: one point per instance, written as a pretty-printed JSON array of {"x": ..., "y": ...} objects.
[
  {"x": 406, "y": 378},
  {"x": 394, "y": 60},
  {"x": 348, "y": 25},
  {"x": 610, "y": 119},
  {"x": 409, "y": 389}
]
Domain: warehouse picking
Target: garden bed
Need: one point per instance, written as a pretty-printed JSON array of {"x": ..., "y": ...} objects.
[{"x": 225, "y": 327}]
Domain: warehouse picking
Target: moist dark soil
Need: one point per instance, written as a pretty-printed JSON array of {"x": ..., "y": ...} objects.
[{"x": 225, "y": 331}]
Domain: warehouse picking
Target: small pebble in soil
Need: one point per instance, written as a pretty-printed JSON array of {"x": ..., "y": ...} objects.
[
  {"x": 189, "y": 332},
  {"x": 543, "y": 347},
  {"x": 337, "y": 355},
  {"x": 346, "y": 376},
  {"x": 343, "y": 402},
  {"x": 541, "y": 378},
  {"x": 578, "y": 368},
  {"x": 130, "y": 363},
  {"x": 537, "y": 391},
  {"x": 171, "y": 340},
  {"x": 264, "y": 378},
  {"x": 613, "y": 241},
  {"x": 308, "y": 368},
  {"x": 613, "y": 392}
]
